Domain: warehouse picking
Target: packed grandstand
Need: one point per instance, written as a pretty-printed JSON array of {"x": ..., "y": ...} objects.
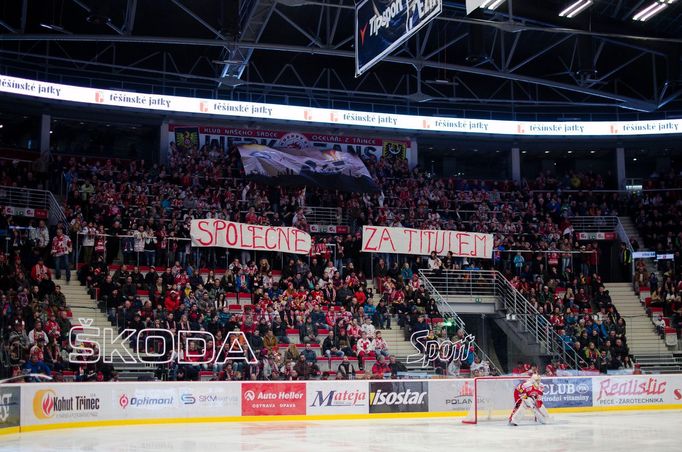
[{"x": 125, "y": 239}]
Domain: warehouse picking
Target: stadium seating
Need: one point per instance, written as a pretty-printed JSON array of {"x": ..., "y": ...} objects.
[{"x": 123, "y": 212}]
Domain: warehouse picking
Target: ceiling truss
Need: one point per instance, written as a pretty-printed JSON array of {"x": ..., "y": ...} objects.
[{"x": 422, "y": 75}]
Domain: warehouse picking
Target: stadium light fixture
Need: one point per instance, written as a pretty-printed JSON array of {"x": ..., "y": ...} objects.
[
  {"x": 56, "y": 28},
  {"x": 576, "y": 8},
  {"x": 491, "y": 4},
  {"x": 650, "y": 11}
]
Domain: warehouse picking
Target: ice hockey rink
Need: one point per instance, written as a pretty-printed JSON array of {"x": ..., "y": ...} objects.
[{"x": 616, "y": 431}]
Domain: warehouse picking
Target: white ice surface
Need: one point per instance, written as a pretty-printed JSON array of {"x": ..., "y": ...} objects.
[{"x": 610, "y": 432}]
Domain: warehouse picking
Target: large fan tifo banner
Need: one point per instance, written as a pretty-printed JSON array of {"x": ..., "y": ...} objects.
[
  {"x": 324, "y": 168},
  {"x": 380, "y": 239},
  {"x": 363, "y": 146},
  {"x": 228, "y": 234}
]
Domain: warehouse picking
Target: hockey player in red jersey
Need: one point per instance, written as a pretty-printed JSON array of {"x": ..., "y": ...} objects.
[{"x": 529, "y": 395}]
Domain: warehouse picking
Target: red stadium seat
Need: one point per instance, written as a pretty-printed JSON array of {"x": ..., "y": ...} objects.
[{"x": 205, "y": 375}]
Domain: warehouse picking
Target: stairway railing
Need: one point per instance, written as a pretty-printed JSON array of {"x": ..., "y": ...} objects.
[
  {"x": 487, "y": 283},
  {"x": 448, "y": 312},
  {"x": 34, "y": 199}
]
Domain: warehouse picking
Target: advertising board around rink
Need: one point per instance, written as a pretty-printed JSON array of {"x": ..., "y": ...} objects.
[
  {"x": 567, "y": 392},
  {"x": 10, "y": 407},
  {"x": 451, "y": 395},
  {"x": 44, "y": 404},
  {"x": 637, "y": 390},
  {"x": 338, "y": 397},
  {"x": 200, "y": 399},
  {"x": 398, "y": 396},
  {"x": 273, "y": 398},
  {"x": 69, "y": 405}
]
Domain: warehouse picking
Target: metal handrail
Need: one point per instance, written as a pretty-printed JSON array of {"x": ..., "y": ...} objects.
[
  {"x": 24, "y": 197},
  {"x": 477, "y": 283},
  {"x": 56, "y": 215},
  {"x": 594, "y": 224},
  {"x": 623, "y": 237},
  {"x": 447, "y": 311},
  {"x": 325, "y": 215},
  {"x": 35, "y": 199}
]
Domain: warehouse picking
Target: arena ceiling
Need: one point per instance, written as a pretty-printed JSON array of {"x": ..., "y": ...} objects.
[{"x": 523, "y": 62}]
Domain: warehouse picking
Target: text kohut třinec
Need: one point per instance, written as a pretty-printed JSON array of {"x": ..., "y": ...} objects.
[{"x": 47, "y": 404}]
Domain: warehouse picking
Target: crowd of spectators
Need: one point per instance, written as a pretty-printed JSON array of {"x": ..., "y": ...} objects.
[
  {"x": 141, "y": 211},
  {"x": 293, "y": 321},
  {"x": 658, "y": 216},
  {"x": 131, "y": 214},
  {"x": 35, "y": 323}
]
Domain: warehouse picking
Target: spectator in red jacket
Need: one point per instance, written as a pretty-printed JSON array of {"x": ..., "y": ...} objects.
[
  {"x": 172, "y": 301},
  {"x": 380, "y": 367}
]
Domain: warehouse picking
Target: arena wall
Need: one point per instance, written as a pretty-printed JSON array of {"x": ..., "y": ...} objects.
[{"x": 42, "y": 406}]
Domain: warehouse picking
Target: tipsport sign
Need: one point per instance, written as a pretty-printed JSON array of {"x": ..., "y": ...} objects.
[
  {"x": 217, "y": 108},
  {"x": 381, "y": 26}
]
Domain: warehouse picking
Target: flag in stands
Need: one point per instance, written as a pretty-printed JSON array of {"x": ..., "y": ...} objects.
[{"x": 329, "y": 168}]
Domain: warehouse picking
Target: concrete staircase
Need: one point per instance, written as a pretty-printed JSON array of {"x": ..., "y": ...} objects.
[
  {"x": 662, "y": 359},
  {"x": 643, "y": 340},
  {"x": 395, "y": 337},
  {"x": 84, "y": 307},
  {"x": 632, "y": 233},
  {"x": 631, "y": 230}
]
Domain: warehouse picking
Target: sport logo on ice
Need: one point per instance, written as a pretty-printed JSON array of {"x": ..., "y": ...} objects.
[{"x": 429, "y": 351}]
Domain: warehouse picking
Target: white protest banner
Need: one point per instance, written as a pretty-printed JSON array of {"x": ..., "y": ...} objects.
[
  {"x": 228, "y": 234},
  {"x": 380, "y": 239}
]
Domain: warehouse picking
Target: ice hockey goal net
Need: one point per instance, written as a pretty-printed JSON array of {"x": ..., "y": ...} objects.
[{"x": 493, "y": 399}]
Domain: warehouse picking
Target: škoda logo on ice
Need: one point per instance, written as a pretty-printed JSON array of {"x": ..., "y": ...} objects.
[{"x": 93, "y": 344}]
